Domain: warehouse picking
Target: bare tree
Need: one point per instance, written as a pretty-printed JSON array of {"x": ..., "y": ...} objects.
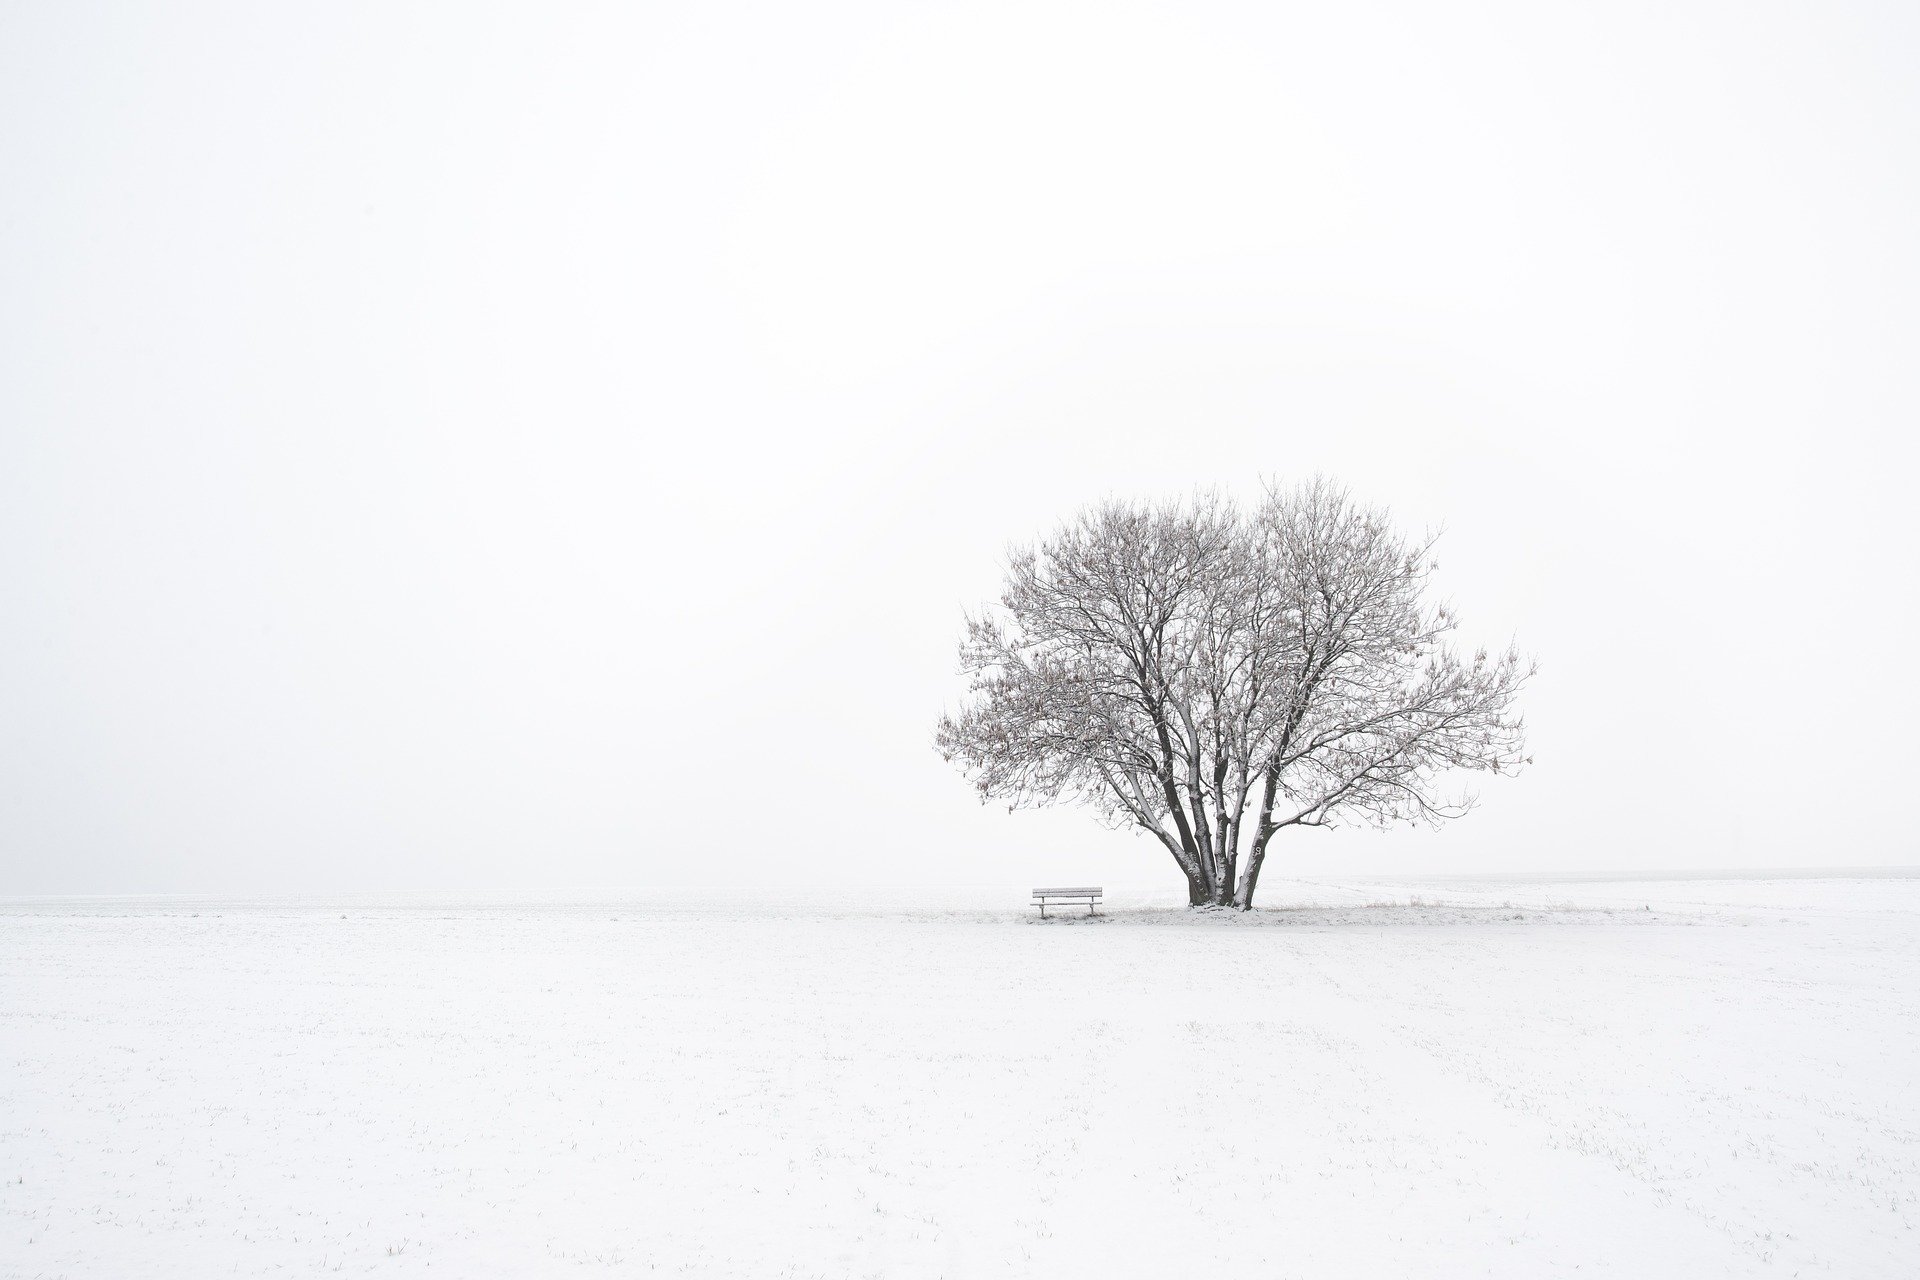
[{"x": 1214, "y": 675}]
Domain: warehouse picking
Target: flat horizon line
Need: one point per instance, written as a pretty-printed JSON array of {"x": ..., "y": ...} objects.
[{"x": 1608, "y": 876}]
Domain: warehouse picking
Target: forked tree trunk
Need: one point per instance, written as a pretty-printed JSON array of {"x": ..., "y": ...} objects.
[
  {"x": 1208, "y": 854},
  {"x": 1223, "y": 889},
  {"x": 1210, "y": 880},
  {"x": 1212, "y": 886}
]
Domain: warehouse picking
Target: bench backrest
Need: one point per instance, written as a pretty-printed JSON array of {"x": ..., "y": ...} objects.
[{"x": 1093, "y": 892}]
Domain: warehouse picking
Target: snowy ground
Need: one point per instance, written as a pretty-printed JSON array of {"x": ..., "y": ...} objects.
[{"x": 1684, "y": 1078}]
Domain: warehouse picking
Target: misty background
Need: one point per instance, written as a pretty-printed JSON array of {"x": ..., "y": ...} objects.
[{"x": 456, "y": 447}]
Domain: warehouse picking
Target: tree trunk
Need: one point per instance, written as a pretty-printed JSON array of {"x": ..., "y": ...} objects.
[
  {"x": 1211, "y": 887},
  {"x": 1262, "y": 832},
  {"x": 1250, "y": 874}
]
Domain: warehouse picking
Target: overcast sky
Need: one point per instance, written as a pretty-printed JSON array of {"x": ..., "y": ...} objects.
[{"x": 545, "y": 446}]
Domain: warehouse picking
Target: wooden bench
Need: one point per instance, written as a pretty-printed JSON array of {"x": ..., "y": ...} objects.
[{"x": 1041, "y": 897}]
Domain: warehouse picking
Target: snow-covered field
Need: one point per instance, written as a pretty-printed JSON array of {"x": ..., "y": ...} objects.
[{"x": 1684, "y": 1078}]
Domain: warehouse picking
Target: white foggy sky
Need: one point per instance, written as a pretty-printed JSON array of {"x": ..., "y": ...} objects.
[{"x": 466, "y": 447}]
